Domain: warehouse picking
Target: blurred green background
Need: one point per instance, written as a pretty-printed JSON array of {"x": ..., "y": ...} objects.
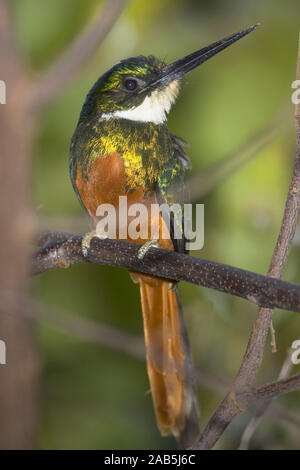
[{"x": 94, "y": 397}]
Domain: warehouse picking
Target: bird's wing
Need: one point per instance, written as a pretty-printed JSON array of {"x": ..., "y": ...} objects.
[
  {"x": 172, "y": 189},
  {"x": 178, "y": 144}
]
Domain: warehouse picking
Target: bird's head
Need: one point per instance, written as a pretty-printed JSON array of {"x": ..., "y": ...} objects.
[{"x": 144, "y": 88}]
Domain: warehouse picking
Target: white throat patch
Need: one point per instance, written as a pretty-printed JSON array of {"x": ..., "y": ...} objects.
[{"x": 154, "y": 107}]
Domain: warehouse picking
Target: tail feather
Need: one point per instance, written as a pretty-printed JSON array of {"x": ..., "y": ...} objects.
[{"x": 169, "y": 362}]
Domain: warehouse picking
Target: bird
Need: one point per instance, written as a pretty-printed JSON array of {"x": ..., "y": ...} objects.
[{"x": 122, "y": 147}]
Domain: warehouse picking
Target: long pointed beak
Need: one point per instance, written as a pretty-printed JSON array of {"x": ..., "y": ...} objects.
[{"x": 182, "y": 66}]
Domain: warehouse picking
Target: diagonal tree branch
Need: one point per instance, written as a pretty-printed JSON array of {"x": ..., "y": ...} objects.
[
  {"x": 71, "y": 61},
  {"x": 65, "y": 250}
]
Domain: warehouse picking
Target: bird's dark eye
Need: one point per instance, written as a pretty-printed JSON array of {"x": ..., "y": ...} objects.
[{"x": 130, "y": 84}]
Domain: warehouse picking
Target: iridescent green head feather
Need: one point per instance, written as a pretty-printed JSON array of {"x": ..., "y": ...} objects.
[
  {"x": 144, "y": 88},
  {"x": 123, "y": 87}
]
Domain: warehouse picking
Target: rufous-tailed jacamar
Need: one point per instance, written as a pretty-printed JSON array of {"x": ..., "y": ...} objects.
[{"x": 122, "y": 147}]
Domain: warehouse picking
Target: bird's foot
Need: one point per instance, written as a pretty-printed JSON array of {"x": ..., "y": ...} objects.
[
  {"x": 146, "y": 247},
  {"x": 86, "y": 242},
  {"x": 87, "y": 238}
]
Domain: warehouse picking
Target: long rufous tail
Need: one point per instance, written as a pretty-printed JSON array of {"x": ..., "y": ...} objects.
[{"x": 169, "y": 362}]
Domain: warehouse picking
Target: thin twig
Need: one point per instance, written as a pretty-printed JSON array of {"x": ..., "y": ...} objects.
[
  {"x": 273, "y": 338},
  {"x": 65, "y": 249},
  {"x": 256, "y": 420},
  {"x": 277, "y": 411},
  {"x": 72, "y": 60},
  {"x": 208, "y": 179}
]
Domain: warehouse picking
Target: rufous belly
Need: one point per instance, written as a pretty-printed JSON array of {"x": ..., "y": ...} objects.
[{"x": 106, "y": 182}]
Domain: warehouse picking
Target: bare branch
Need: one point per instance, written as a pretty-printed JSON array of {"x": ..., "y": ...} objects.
[
  {"x": 71, "y": 61},
  {"x": 65, "y": 250}
]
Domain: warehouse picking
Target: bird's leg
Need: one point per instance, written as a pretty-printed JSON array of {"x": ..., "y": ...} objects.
[{"x": 146, "y": 247}]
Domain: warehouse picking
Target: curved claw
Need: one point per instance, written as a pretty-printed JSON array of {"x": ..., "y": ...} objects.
[
  {"x": 86, "y": 242},
  {"x": 146, "y": 247}
]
